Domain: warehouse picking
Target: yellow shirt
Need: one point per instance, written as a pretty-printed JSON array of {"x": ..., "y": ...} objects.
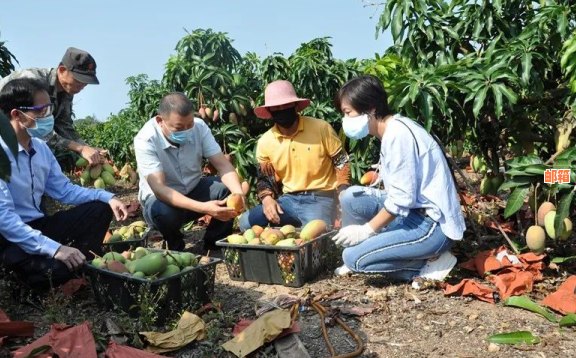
[{"x": 304, "y": 160}]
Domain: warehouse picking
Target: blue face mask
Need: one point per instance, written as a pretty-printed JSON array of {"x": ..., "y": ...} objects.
[
  {"x": 180, "y": 137},
  {"x": 355, "y": 127},
  {"x": 43, "y": 127}
]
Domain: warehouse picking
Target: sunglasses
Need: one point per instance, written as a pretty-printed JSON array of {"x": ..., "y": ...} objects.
[{"x": 42, "y": 109}]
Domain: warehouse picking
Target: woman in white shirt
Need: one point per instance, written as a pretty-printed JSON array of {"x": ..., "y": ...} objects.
[{"x": 407, "y": 229}]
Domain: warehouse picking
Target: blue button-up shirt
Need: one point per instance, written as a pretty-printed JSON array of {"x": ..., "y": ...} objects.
[
  {"x": 37, "y": 173},
  {"x": 416, "y": 175}
]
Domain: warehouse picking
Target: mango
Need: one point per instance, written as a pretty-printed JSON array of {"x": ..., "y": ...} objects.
[
  {"x": 257, "y": 230},
  {"x": 254, "y": 241},
  {"x": 486, "y": 186},
  {"x": 496, "y": 181},
  {"x": 235, "y": 202},
  {"x": 249, "y": 235},
  {"x": 536, "y": 239},
  {"x": 549, "y": 224},
  {"x": 98, "y": 262},
  {"x": 169, "y": 271},
  {"x": 271, "y": 236},
  {"x": 81, "y": 162},
  {"x": 313, "y": 229},
  {"x": 233, "y": 118},
  {"x": 85, "y": 176},
  {"x": 139, "y": 223},
  {"x": 172, "y": 259},
  {"x": 188, "y": 259},
  {"x": 150, "y": 264},
  {"x": 99, "y": 183},
  {"x": 115, "y": 238},
  {"x": 95, "y": 171},
  {"x": 567, "y": 229},
  {"x": 108, "y": 168},
  {"x": 108, "y": 178},
  {"x": 116, "y": 266},
  {"x": 289, "y": 231},
  {"x": 138, "y": 274},
  {"x": 139, "y": 253},
  {"x": 122, "y": 230},
  {"x": 543, "y": 210},
  {"x": 286, "y": 242},
  {"x": 369, "y": 178},
  {"x": 127, "y": 255},
  {"x": 236, "y": 239},
  {"x": 114, "y": 256}
]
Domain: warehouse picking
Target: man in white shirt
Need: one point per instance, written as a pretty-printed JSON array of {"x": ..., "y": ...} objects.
[{"x": 170, "y": 149}]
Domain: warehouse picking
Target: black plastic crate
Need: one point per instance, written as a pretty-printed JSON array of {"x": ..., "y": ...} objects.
[
  {"x": 288, "y": 266},
  {"x": 169, "y": 296}
]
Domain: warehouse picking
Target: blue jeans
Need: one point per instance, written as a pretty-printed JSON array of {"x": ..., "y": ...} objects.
[
  {"x": 401, "y": 249},
  {"x": 298, "y": 209},
  {"x": 169, "y": 219}
]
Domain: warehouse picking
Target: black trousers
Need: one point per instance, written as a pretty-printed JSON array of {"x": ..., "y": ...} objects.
[
  {"x": 168, "y": 219},
  {"x": 82, "y": 227}
]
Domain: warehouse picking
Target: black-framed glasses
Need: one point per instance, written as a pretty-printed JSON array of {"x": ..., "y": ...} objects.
[{"x": 42, "y": 109}]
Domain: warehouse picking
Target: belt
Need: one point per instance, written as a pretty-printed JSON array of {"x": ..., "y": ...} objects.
[{"x": 323, "y": 193}]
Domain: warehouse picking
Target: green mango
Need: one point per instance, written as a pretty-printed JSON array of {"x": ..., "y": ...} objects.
[
  {"x": 99, "y": 183},
  {"x": 115, "y": 238},
  {"x": 108, "y": 168},
  {"x": 169, "y": 271},
  {"x": 111, "y": 256},
  {"x": 188, "y": 259},
  {"x": 138, "y": 274},
  {"x": 81, "y": 162},
  {"x": 286, "y": 242},
  {"x": 139, "y": 253},
  {"x": 151, "y": 264},
  {"x": 249, "y": 235},
  {"x": 98, "y": 262},
  {"x": 108, "y": 178}
]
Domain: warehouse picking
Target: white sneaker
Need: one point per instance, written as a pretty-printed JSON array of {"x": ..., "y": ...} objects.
[
  {"x": 342, "y": 271},
  {"x": 438, "y": 268}
]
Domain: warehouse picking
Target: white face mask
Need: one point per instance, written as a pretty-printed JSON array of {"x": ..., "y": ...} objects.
[{"x": 355, "y": 127}]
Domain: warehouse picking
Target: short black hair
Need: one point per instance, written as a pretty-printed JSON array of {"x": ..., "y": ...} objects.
[
  {"x": 20, "y": 92},
  {"x": 175, "y": 102},
  {"x": 364, "y": 93}
]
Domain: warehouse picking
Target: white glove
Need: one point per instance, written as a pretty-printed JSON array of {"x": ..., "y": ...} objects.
[{"x": 353, "y": 235}]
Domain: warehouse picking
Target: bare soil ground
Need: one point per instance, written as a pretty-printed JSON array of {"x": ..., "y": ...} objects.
[{"x": 403, "y": 322}]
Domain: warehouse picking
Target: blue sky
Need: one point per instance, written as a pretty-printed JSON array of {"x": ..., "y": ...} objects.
[{"x": 132, "y": 37}]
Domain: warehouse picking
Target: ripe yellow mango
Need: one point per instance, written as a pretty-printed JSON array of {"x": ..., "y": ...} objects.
[{"x": 313, "y": 229}]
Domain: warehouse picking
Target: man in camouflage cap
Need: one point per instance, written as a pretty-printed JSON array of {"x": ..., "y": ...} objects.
[{"x": 75, "y": 71}]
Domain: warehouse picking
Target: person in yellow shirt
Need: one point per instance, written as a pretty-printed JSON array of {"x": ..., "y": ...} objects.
[{"x": 302, "y": 164}]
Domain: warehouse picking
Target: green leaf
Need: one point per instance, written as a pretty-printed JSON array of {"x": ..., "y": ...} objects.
[
  {"x": 526, "y": 67},
  {"x": 497, "y": 101},
  {"x": 527, "y": 304},
  {"x": 518, "y": 337},
  {"x": 516, "y": 181},
  {"x": 524, "y": 161},
  {"x": 562, "y": 212},
  {"x": 561, "y": 260},
  {"x": 568, "y": 321},
  {"x": 516, "y": 200},
  {"x": 397, "y": 23},
  {"x": 479, "y": 101}
]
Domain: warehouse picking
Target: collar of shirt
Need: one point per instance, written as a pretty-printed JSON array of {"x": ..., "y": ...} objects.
[{"x": 277, "y": 133}]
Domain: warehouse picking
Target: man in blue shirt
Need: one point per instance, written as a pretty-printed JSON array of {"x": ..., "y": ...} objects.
[{"x": 45, "y": 250}]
